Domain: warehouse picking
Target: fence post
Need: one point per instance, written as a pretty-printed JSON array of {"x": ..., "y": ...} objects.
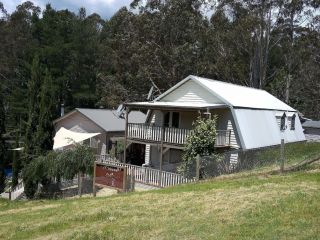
[
  {"x": 94, "y": 190},
  {"x": 79, "y": 184},
  {"x": 282, "y": 159},
  {"x": 133, "y": 180},
  {"x": 198, "y": 167}
]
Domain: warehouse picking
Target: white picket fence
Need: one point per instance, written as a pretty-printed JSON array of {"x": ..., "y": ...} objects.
[
  {"x": 15, "y": 192},
  {"x": 150, "y": 176}
]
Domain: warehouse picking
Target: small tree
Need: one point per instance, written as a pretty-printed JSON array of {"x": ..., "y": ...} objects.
[{"x": 200, "y": 142}]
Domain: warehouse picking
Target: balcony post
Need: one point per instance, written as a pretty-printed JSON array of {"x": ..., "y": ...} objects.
[
  {"x": 161, "y": 150},
  {"x": 126, "y": 136},
  {"x": 161, "y": 155}
]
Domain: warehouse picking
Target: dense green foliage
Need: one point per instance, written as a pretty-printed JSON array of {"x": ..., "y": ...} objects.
[
  {"x": 94, "y": 62},
  {"x": 56, "y": 165}
]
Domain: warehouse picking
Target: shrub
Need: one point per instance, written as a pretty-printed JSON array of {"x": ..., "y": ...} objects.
[{"x": 200, "y": 142}]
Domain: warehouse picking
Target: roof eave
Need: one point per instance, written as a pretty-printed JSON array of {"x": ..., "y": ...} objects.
[{"x": 141, "y": 105}]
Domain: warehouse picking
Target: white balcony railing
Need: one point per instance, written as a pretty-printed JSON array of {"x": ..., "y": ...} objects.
[{"x": 177, "y": 136}]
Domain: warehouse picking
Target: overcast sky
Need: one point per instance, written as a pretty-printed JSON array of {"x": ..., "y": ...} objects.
[{"x": 105, "y": 8}]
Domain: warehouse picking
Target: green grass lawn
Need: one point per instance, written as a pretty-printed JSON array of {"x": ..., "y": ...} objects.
[{"x": 241, "y": 206}]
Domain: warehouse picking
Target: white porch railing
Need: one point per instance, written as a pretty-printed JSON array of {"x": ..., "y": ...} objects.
[
  {"x": 176, "y": 136},
  {"x": 144, "y": 132},
  {"x": 150, "y": 176}
]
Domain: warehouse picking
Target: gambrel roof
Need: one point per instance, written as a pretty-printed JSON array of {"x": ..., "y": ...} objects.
[{"x": 254, "y": 111}]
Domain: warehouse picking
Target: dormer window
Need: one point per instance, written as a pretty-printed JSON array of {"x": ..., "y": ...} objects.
[
  {"x": 293, "y": 122},
  {"x": 283, "y": 122}
]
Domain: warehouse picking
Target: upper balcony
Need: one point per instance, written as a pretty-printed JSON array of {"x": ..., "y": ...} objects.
[{"x": 170, "y": 136}]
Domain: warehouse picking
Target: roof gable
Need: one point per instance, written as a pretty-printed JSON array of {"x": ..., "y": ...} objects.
[
  {"x": 191, "y": 92},
  {"x": 227, "y": 93}
]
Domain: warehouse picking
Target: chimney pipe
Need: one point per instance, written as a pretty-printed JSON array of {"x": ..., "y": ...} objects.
[{"x": 62, "y": 109}]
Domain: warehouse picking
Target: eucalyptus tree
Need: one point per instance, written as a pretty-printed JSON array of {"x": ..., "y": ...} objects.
[
  {"x": 295, "y": 18},
  {"x": 161, "y": 45}
]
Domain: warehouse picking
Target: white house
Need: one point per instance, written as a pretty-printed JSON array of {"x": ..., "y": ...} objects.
[{"x": 248, "y": 118}]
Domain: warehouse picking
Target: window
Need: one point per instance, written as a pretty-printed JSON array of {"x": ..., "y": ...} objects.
[
  {"x": 171, "y": 119},
  {"x": 166, "y": 121},
  {"x": 283, "y": 122},
  {"x": 293, "y": 122},
  {"x": 175, "y": 119}
]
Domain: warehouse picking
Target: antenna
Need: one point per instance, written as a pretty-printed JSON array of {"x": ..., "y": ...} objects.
[
  {"x": 120, "y": 111},
  {"x": 153, "y": 94}
]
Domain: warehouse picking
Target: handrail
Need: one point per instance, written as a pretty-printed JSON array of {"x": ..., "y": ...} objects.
[{"x": 150, "y": 133}]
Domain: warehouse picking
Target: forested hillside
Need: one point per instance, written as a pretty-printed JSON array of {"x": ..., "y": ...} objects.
[{"x": 95, "y": 62}]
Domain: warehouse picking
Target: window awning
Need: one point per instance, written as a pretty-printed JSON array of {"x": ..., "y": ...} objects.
[{"x": 65, "y": 137}]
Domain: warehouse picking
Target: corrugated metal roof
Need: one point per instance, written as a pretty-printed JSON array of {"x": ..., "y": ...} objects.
[
  {"x": 311, "y": 124},
  {"x": 108, "y": 120},
  {"x": 236, "y": 95}
]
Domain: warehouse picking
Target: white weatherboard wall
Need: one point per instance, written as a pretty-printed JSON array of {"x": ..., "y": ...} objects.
[
  {"x": 259, "y": 128},
  {"x": 191, "y": 92}
]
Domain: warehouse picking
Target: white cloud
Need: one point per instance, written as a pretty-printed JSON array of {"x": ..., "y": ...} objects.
[{"x": 105, "y": 8}]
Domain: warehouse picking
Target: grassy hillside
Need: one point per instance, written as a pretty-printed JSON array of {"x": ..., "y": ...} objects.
[{"x": 235, "y": 207}]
